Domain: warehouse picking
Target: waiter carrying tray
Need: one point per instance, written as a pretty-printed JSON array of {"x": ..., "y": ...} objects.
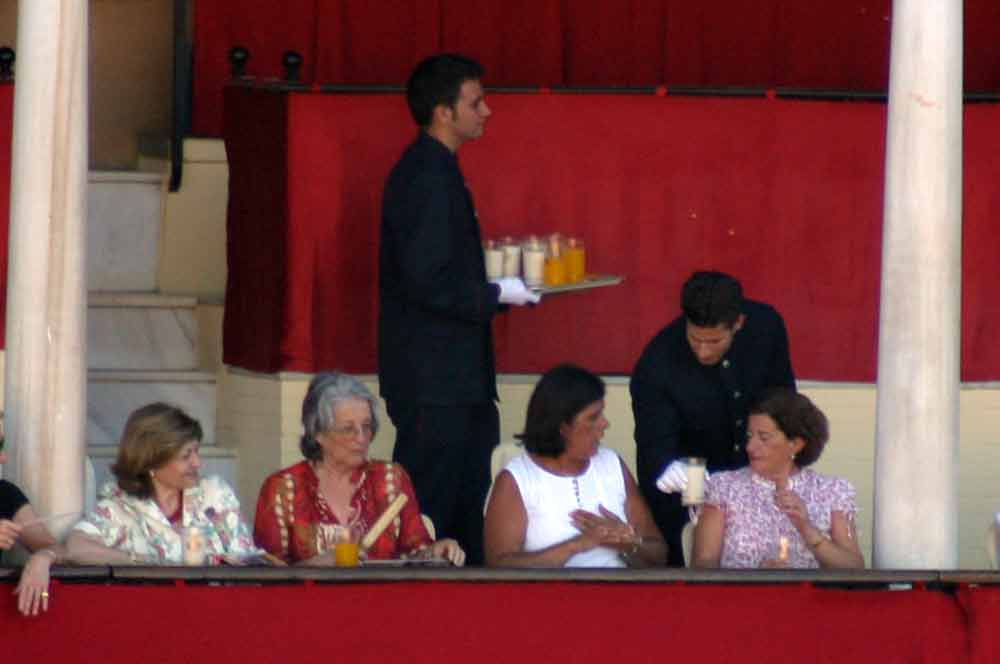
[
  {"x": 693, "y": 386},
  {"x": 435, "y": 344}
]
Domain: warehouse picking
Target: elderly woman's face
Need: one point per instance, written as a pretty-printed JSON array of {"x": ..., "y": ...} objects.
[
  {"x": 346, "y": 444},
  {"x": 771, "y": 452},
  {"x": 182, "y": 471}
]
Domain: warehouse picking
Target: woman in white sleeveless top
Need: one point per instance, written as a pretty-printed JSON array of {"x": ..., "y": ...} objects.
[{"x": 567, "y": 501}]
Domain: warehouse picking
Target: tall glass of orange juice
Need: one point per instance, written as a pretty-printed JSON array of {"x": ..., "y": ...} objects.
[
  {"x": 346, "y": 546},
  {"x": 575, "y": 260},
  {"x": 555, "y": 262}
]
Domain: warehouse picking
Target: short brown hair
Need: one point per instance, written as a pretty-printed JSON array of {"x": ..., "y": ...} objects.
[
  {"x": 797, "y": 417},
  {"x": 153, "y": 435}
]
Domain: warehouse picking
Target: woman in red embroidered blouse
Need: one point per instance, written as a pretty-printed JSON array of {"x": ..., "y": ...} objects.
[{"x": 301, "y": 507}]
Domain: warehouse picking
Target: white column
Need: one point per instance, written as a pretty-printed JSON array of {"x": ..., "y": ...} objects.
[
  {"x": 45, "y": 379},
  {"x": 917, "y": 427}
]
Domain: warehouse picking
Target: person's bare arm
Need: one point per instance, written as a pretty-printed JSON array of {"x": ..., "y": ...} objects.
[
  {"x": 707, "y": 549},
  {"x": 650, "y": 549},
  {"x": 86, "y": 549},
  {"x": 840, "y": 550}
]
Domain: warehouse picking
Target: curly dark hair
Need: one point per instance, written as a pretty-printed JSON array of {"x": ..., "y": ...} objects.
[{"x": 797, "y": 417}]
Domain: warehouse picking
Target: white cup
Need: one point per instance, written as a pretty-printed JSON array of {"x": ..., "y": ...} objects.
[
  {"x": 534, "y": 266},
  {"x": 494, "y": 263},
  {"x": 511, "y": 260},
  {"x": 694, "y": 493}
]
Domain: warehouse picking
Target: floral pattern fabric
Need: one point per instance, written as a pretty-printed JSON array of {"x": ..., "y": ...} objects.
[
  {"x": 138, "y": 525},
  {"x": 294, "y": 522},
  {"x": 754, "y": 525}
]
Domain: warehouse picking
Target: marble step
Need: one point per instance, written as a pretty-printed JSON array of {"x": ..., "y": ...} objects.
[
  {"x": 141, "y": 331},
  {"x": 113, "y": 395},
  {"x": 124, "y": 210},
  {"x": 220, "y": 461}
]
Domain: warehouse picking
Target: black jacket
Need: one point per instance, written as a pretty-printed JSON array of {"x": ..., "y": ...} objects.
[
  {"x": 683, "y": 408},
  {"x": 435, "y": 342}
]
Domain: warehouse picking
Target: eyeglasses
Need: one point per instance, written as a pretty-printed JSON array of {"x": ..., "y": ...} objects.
[{"x": 367, "y": 429}]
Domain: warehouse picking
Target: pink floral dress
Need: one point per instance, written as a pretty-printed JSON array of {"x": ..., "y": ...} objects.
[{"x": 755, "y": 525}]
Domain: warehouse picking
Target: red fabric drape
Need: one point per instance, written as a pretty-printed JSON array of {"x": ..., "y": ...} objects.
[
  {"x": 657, "y": 187},
  {"x": 486, "y": 622},
  {"x": 364, "y": 42},
  {"x": 711, "y": 43},
  {"x": 519, "y": 42},
  {"x": 6, "y": 131},
  {"x": 266, "y": 29},
  {"x": 618, "y": 43}
]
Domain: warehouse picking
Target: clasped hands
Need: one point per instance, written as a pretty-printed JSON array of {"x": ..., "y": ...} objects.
[{"x": 604, "y": 529}]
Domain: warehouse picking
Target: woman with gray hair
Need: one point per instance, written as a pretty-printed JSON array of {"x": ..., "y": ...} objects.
[{"x": 305, "y": 509}]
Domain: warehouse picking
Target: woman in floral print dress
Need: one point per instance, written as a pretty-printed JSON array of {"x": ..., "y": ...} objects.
[
  {"x": 777, "y": 512},
  {"x": 158, "y": 493}
]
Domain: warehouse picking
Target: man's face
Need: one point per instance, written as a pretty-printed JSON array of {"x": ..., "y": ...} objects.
[
  {"x": 468, "y": 117},
  {"x": 710, "y": 344}
]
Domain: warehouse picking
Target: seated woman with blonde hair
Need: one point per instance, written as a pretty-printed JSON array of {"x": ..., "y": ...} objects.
[
  {"x": 158, "y": 493},
  {"x": 303, "y": 510},
  {"x": 777, "y": 512}
]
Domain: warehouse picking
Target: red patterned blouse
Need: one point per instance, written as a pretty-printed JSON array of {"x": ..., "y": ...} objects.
[{"x": 294, "y": 521}]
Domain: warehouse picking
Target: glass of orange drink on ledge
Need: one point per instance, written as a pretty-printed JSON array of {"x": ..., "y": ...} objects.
[{"x": 346, "y": 542}]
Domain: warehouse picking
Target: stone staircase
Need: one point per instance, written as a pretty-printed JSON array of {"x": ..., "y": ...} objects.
[{"x": 142, "y": 346}]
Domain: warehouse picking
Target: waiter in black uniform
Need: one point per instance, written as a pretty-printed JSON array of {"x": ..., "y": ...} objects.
[
  {"x": 435, "y": 345},
  {"x": 693, "y": 386}
]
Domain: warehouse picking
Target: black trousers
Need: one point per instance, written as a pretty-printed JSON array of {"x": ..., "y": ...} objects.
[{"x": 447, "y": 451}]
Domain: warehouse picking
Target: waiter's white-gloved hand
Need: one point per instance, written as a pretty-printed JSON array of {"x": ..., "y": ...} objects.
[
  {"x": 513, "y": 291},
  {"x": 674, "y": 478}
]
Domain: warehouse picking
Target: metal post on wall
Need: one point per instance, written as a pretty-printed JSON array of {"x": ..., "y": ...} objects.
[{"x": 181, "y": 98}]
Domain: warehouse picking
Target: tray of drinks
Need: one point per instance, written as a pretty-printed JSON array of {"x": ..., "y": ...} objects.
[{"x": 588, "y": 282}]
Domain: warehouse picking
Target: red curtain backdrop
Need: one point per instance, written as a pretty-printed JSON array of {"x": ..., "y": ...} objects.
[
  {"x": 708, "y": 43},
  {"x": 791, "y": 202},
  {"x": 6, "y": 130},
  {"x": 489, "y": 622}
]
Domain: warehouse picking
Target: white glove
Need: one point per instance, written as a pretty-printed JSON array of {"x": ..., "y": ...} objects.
[
  {"x": 513, "y": 291},
  {"x": 674, "y": 478}
]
